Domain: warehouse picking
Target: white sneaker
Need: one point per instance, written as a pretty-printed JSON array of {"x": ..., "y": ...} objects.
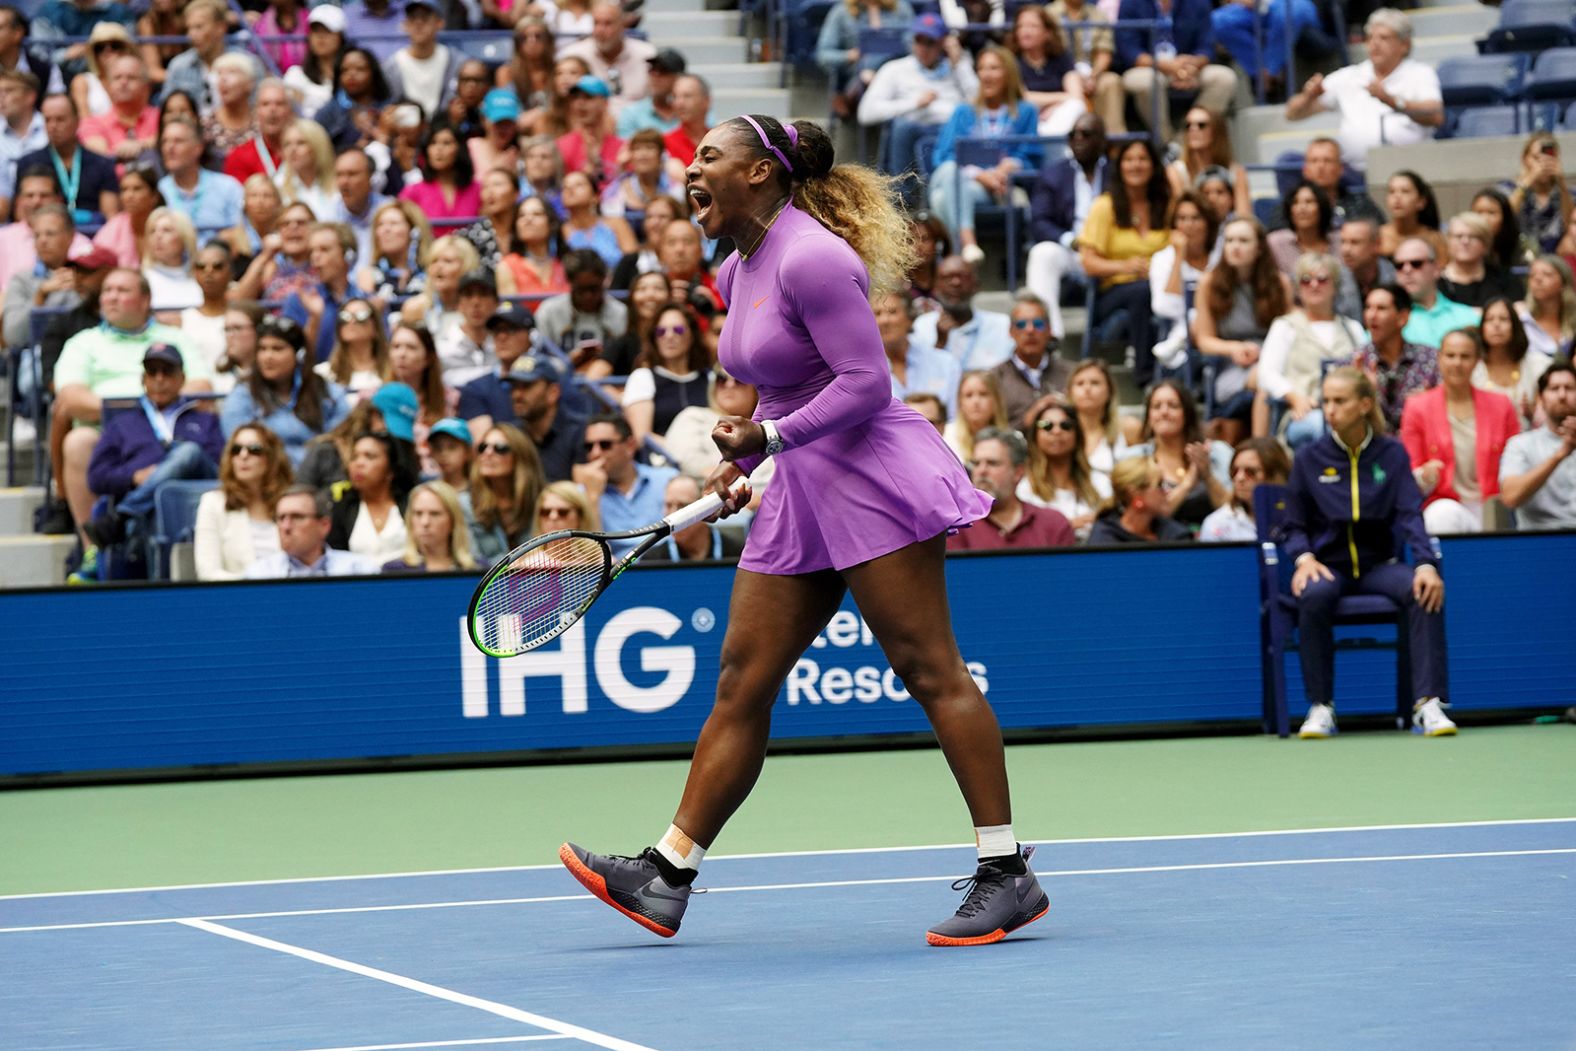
[
  {"x": 973, "y": 255},
  {"x": 1320, "y": 722},
  {"x": 23, "y": 432},
  {"x": 1430, "y": 720}
]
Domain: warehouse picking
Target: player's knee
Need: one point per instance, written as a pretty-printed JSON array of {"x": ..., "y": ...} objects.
[{"x": 930, "y": 680}]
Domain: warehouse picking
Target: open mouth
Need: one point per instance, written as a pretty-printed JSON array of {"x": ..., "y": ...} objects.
[{"x": 701, "y": 200}]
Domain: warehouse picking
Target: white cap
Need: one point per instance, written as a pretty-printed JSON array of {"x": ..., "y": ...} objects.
[{"x": 328, "y": 16}]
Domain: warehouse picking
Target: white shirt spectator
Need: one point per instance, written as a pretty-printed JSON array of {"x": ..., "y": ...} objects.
[
  {"x": 1367, "y": 123},
  {"x": 1227, "y": 524},
  {"x": 1278, "y": 343},
  {"x": 1171, "y": 350},
  {"x": 983, "y": 343},
  {"x": 898, "y": 83},
  {"x": 228, "y": 542},
  {"x": 378, "y": 545},
  {"x": 173, "y": 289}
]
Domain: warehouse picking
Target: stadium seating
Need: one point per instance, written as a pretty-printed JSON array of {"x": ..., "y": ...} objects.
[
  {"x": 1531, "y": 25},
  {"x": 1482, "y": 80}
]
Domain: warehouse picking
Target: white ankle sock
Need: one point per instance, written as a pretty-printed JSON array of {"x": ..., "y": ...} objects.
[
  {"x": 995, "y": 841},
  {"x": 681, "y": 850}
]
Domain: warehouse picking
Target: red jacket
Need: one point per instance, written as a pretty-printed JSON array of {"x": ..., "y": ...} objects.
[{"x": 1425, "y": 431}]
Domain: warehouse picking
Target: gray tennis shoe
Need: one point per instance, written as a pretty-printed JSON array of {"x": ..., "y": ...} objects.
[
  {"x": 633, "y": 886},
  {"x": 997, "y": 904}
]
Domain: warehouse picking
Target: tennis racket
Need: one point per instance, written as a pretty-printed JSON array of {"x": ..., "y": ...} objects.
[{"x": 540, "y": 590}]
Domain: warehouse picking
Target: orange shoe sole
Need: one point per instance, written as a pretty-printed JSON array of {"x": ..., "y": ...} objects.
[
  {"x": 598, "y": 887},
  {"x": 932, "y": 938}
]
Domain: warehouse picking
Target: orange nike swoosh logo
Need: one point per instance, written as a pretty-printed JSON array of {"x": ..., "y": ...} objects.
[{"x": 759, "y": 301}]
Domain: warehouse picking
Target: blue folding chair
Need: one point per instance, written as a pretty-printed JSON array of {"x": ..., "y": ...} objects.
[
  {"x": 174, "y": 521},
  {"x": 1531, "y": 25},
  {"x": 1482, "y": 80},
  {"x": 984, "y": 154},
  {"x": 1483, "y": 121},
  {"x": 1278, "y": 612},
  {"x": 1553, "y": 76}
]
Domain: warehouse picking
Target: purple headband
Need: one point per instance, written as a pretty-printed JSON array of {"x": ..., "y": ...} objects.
[{"x": 788, "y": 129}]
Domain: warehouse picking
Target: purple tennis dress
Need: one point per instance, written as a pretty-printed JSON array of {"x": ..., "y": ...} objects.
[{"x": 861, "y": 474}]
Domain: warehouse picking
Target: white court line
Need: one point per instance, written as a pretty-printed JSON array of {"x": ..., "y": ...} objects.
[
  {"x": 1509, "y": 822},
  {"x": 552, "y": 1025},
  {"x": 812, "y": 885},
  {"x": 449, "y": 1043}
]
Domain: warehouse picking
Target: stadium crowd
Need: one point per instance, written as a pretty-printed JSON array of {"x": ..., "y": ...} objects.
[{"x": 407, "y": 308}]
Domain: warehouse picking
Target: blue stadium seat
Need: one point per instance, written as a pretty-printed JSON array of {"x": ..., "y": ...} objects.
[
  {"x": 804, "y": 18},
  {"x": 1531, "y": 25},
  {"x": 1543, "y": 116},
  {"x": 1569, "y": 123},
  {"x": 174, "y": 521},
  {"x": 1482, "y": 80},
  {"x": 1483, "y": 121},
  {"x": 1553, "y": 75},
  {"x": 1265, "y": 209}
]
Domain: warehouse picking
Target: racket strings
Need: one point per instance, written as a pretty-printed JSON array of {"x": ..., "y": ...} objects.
[{"x": 539, "y": 594}]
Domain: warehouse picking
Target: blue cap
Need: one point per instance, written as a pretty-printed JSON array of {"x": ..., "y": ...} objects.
[
  {"x": 164, "y": 354},
  {"x": 533, "y": 367},
  {"x": 589, "y": 85},
  {"x": 930, "y": 25},
  {"x": 397, "y": 402},
  {"x": 501, "y": 104},
  {"x": 451, "y": 427}
]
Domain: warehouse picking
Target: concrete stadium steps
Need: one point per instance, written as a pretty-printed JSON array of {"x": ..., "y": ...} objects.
[
  {"x": 34, "y": 561},
  {"x": 27, "y": 559},
  {"x": 676, "y": 27},
  {"x": 17, "y": 507}
]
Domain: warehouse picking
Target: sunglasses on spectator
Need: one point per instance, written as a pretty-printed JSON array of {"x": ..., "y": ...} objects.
[
  {"x": 250, "y": 450},
  {"x": 672, "y": 330},
  {"x": 601, "y": 445},
  {"x": 1314, "y": 279},
  {"x": 1036, "y": 323},
  {"x": 729, "y": 381},
  {"x": 1411, "y": 264},
  {"x": 1246, "y": 471},
  {"x": 1196, "y": 125},
  {"x": 1081, "y": 133},
  {"x": 357, "y": 314},
  {"x": 501, "y": 448},
  {"x": 559, "y": 512},
  {"x": 1058, "y": 425},
  {"x": 208, "y": 266}
]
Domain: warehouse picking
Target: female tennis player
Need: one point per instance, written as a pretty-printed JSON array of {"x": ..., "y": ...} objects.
[{"x": 864, "y": 495}]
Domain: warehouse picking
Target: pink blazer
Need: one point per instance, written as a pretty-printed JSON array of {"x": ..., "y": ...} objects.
[{"x": 1425, "y": 431}]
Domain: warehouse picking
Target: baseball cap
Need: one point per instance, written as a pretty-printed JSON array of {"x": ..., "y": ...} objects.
[
  {"x": 479, "y": 278},
  {"x": 500, "y": 104},
  {"x": 668, "y": 61},
  {"x": 511, "y": 316},
  {"x": 589, "y": 85},
  {"x": 397, "y": 402},
  {"x": 95, "y": 258},
  {"x": 930, "y": 25},
  {"x": 329, "y": 17},
  {"x": 534, "y": 367},
  {"x": 451, "y": 427},
  {"x": 430, "y": 5},
  {"x": 163, "y": 354}
]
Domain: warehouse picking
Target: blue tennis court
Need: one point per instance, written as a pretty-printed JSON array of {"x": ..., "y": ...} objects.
[{"x": 1454, "y": 935}]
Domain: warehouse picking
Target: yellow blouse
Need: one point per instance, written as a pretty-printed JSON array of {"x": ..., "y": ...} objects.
[{"x": 1117, "y": 243}]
